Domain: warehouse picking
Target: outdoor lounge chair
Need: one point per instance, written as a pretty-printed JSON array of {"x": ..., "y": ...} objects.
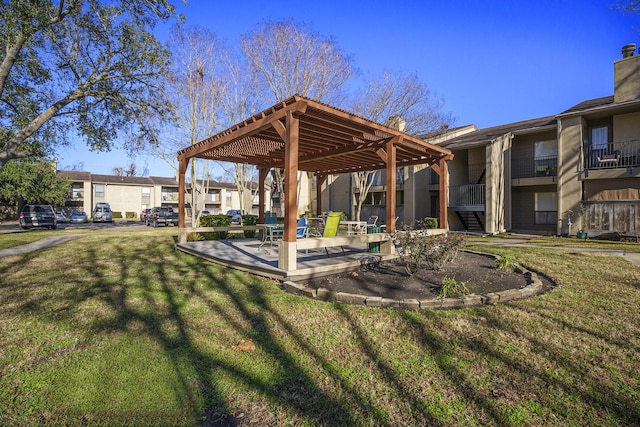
[
  {"x": 331, "y": 227},
  {"x": 302, "y": 228}
]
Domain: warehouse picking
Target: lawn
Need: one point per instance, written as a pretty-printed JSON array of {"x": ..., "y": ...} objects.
[{"x": 117, "y": 328}]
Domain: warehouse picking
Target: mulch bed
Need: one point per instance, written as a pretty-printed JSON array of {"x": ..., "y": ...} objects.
[{"x": 390, "y": 280}]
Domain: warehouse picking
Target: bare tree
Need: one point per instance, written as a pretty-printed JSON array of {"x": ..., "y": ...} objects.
[
  {"x": 402, "y": 102},
  {"x": 195, "y": 87},
  {"x": 401, "y": 94},
  {"x": 241, "y": 99},
  {"x": 79, "y": 65},
  {"x": 131, "y": 170},
  {"x": 288, "y": 58},
  {"x": 628, "y": 6}
]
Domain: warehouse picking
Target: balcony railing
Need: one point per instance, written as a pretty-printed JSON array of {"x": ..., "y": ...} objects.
[
  {"x": 533, "y": 167},
  {"x": 470, "y": 195},
  {"x": 74, "y": 195},
  {"x": 170, "y": 197},
  {"x": 614, "y": 155}
]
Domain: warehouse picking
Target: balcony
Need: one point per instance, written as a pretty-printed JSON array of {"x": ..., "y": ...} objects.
[
  {"x": 470, "y": 197},
  {"x": 614, "y": 155},
  {"x": 74, "y": 195},
  {"x": 534, "y": 167},
  {"x": 170, "y": 197}
]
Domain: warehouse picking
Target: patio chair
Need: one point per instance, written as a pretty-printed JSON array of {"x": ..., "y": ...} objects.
[
  {"x": 383, "y": 227},
  {"x": 331, "y": 227},
  {"x": 302, "y": 228}
]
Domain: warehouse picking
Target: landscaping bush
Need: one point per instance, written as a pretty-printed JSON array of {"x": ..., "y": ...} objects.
[
  {"x": 249, "y": 220},
  {"x": 218, "y": 220},
  {"x": 116, "y": 215},
  {"x": 430, "y": 222},
  {"x": 418, "y": 250},
  {"x": 130, "y": 215}
]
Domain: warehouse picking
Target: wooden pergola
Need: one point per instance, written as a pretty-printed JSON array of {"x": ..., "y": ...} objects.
[{"x": 300, "y": 134}]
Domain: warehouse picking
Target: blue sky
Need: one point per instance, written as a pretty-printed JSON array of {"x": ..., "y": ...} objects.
[{"x": 494, "y": 62}]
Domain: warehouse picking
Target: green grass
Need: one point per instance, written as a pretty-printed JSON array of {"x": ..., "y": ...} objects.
[{"x": 117, "y": 328}]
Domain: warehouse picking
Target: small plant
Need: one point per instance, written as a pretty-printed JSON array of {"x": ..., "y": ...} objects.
[
  {"x": 195, "y": 237},
  {"x": 453, "y": 288},
  {"x": 507, "y": 263},
  {"x": 583, "y": 217}
]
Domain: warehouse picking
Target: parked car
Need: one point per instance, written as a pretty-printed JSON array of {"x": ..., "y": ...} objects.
[
  {"x": 60, "y": 218},
  {"x": 236, "y": 216},
  {"x": 144, "y": 214},
  {"x": 79, "y": 217},
  {"x": 161, "y": 215},
  {"x": 205, "y": 213},
  {"x": 37, "y": 216},
  {"x": 102, "y": 213}
]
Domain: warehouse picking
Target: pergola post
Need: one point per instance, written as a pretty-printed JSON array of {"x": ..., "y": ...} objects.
[
  {"x": 390, "y": 210},
  {"x": 441, "y": 168},
  {"x": 320, "y": 180},
  {"x": 287, "y": 250},
  {"x": 262, "y": 177},
  {"x": 182, "y": 169}
]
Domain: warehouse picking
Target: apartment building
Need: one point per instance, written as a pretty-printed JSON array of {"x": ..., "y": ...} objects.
[
  {"x": 133, "y": 194},
  {"x": 577, "y": 170}
]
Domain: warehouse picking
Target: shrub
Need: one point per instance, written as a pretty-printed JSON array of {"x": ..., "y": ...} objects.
[
  {"x": 116, "y": 215},
  {"x": 453, "y": 288},
  {"x": 249, "y": 220},
  {"x": 430, "y": 223},
  {"x": 218, "y": 220},
  {"x": 419, "y": 250},
  {"x": 130, "y": 214}
]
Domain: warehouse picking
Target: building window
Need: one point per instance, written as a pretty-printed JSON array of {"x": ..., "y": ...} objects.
[
  {"x": 228, "y": 195},
  {"x": 545, "y": 154},
  {"x": 76, "y": 190},
  {"x": 100, "y": 191},
  {"x": 546, "y": 209},
  {"x": 146, "y": 196},
  {"x": 600, "y": 137}
]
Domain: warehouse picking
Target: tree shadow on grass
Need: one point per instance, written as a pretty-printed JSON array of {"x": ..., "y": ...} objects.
[{"x": 150, "y": 292}]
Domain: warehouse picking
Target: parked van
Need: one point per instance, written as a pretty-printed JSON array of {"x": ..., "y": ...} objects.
[{"x": 102, "y": 213}]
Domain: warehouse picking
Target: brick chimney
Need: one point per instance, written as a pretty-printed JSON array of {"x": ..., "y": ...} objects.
[{"x": 627, "y": 75}]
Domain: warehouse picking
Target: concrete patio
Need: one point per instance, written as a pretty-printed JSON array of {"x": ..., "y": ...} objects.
[{"x": 247, "y": 255}]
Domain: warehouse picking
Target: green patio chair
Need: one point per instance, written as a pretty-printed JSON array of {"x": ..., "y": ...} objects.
[{"x": 331, "y": 227}]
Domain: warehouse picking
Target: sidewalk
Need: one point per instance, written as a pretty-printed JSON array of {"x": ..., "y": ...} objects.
[
  {"x": 520, "y": 240},
  {"x": 40, "y": 244}
]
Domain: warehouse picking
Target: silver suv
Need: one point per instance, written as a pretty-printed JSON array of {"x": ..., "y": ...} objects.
[
  {"x": 102, "y": 213},
  {"x": 37, "y": 216}
]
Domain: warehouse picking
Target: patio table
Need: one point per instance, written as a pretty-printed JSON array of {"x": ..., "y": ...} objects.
[
  {"x": 355, "y": 227},
  {"x": 271, "y": 231}
]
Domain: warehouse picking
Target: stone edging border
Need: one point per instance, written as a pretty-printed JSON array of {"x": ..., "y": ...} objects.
[{"x": 436, "y": 303}]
